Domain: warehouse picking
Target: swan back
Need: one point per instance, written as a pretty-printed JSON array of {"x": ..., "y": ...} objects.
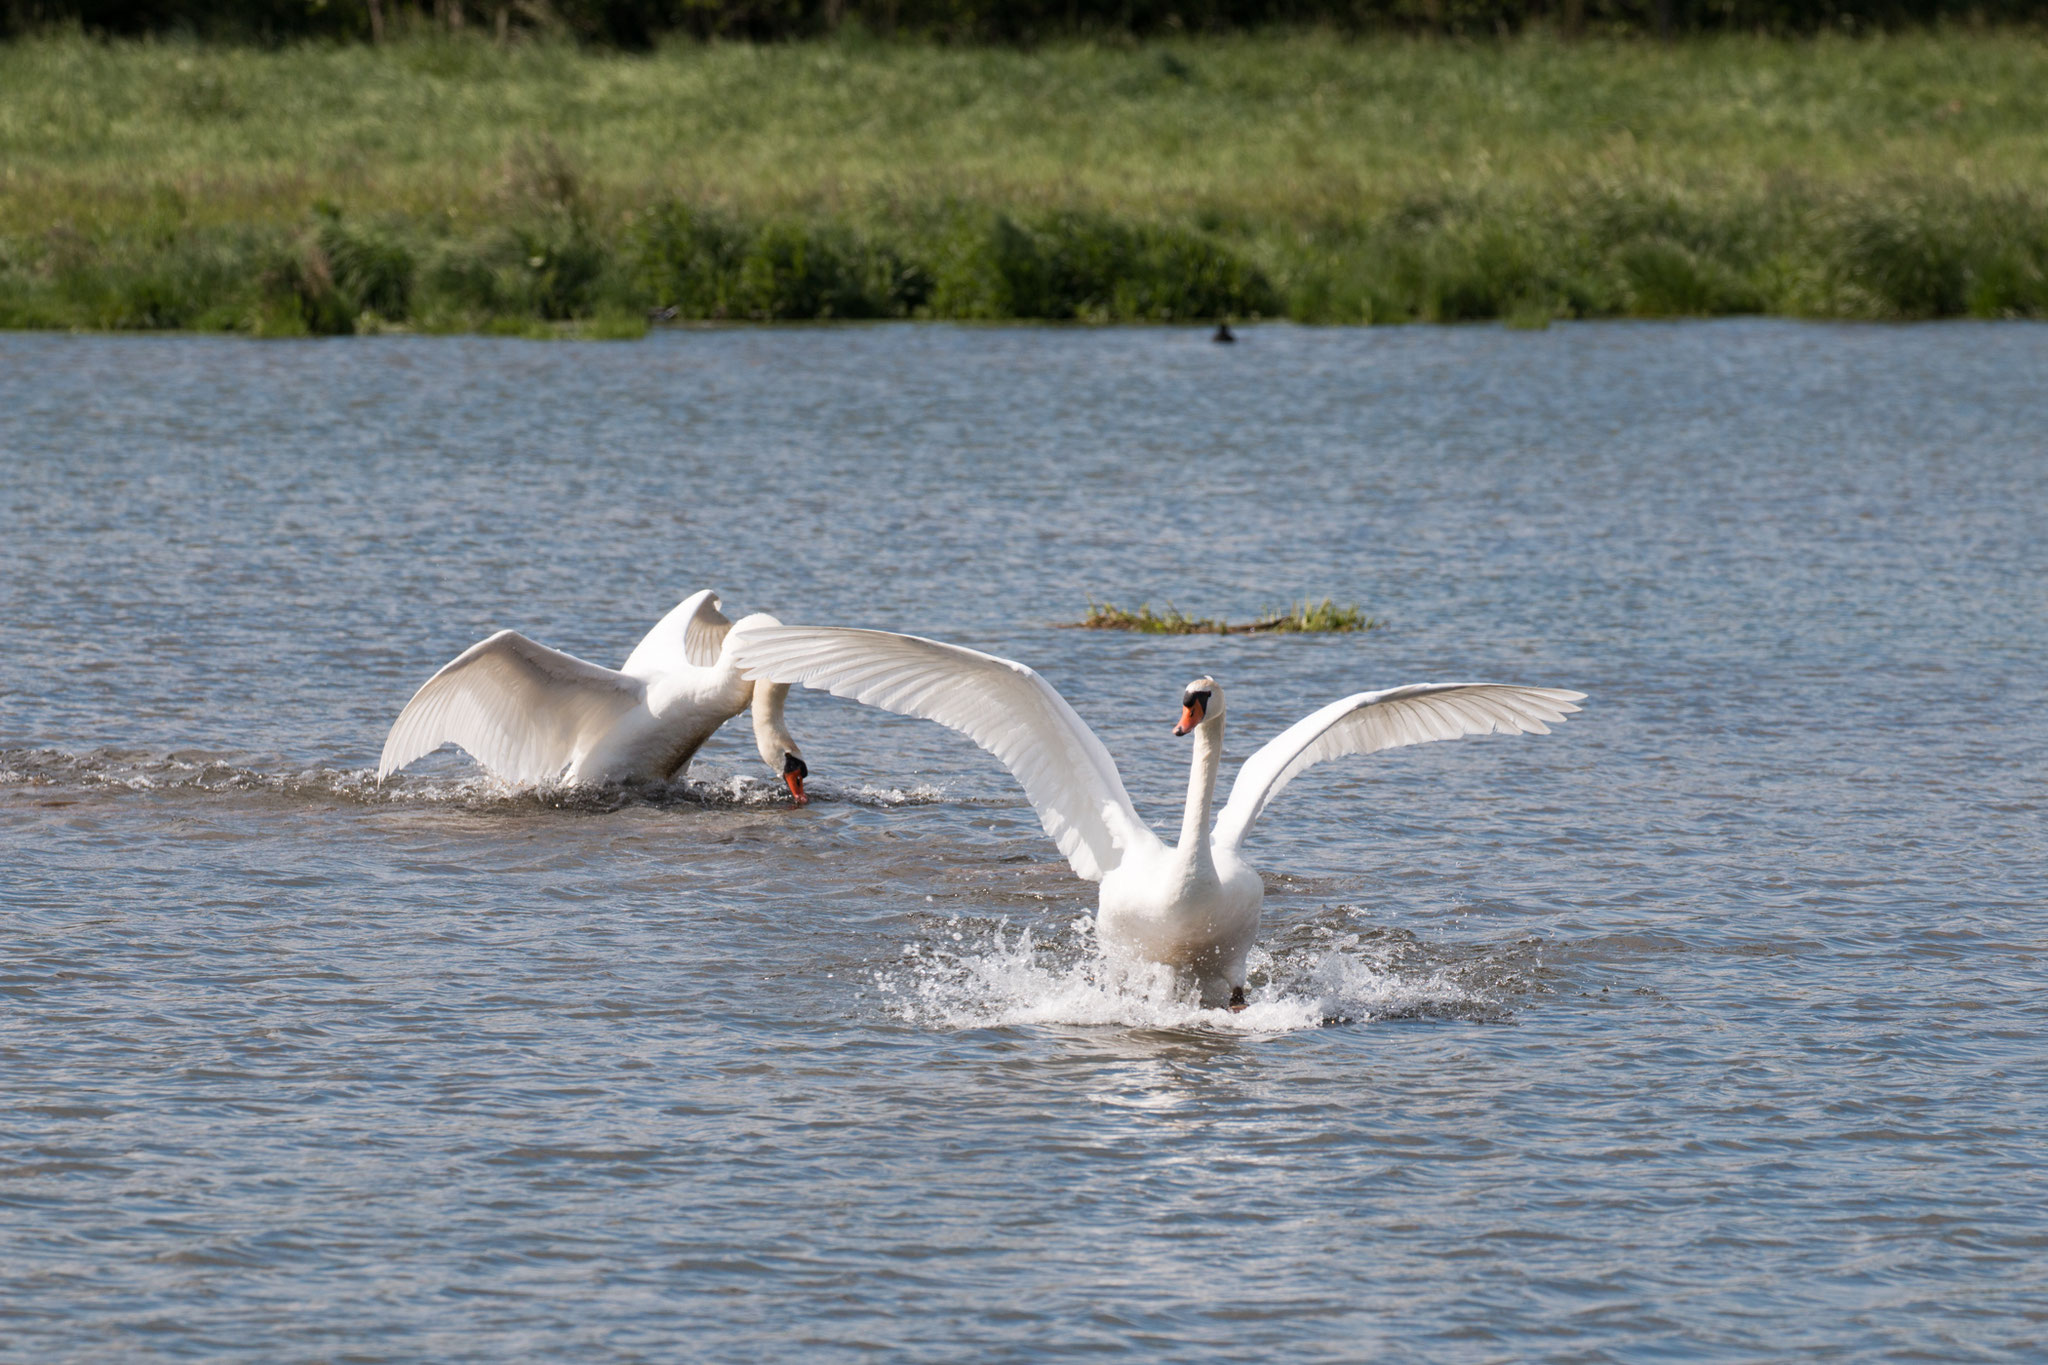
[{"x": 692, "y": 635}]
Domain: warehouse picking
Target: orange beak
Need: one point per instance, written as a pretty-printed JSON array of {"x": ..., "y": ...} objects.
[
  {"x": 796, "y": 787},
  {"x": 1190, "y": 717}
]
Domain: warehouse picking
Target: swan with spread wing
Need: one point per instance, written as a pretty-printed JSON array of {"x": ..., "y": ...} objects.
[
  {"x": 531, "y": 714},
  {"x": 1192, "y": 905}
]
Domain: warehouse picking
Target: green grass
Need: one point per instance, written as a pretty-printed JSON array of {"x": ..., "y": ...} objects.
[
  {"x": 442, "y": 184},
  {"x": 1324, "y": 617},
  {"x": 1306, "y": 617},
  {"x": 1145, "y": 621}
]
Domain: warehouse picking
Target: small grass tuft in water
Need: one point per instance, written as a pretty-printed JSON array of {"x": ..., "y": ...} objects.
[
  {"x": 1144, "y": 620},
  {"x": 1324, "y": 617}
]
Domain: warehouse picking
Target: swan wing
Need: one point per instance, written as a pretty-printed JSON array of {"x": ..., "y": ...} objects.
[
  {"x": 522, "y": 710},
  {"x": 1001, "y": 705},
  {"x": 1371, "y": 721},
  {"x": 692, "y": 633}
]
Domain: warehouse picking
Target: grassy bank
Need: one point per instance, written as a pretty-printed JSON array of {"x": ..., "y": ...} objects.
[{"x": 453, "y": 184}]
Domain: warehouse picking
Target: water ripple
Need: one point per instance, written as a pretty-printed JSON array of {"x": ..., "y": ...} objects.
[{"x": 1707, "y": 1027}]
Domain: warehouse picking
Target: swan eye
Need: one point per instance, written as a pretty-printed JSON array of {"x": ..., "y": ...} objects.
[
  {"x": 792, "y": 764},
  {"x": 1194, "y": 699}
]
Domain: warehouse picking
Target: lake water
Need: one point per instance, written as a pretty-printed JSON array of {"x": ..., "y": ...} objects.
[{"x": 1710, "y": 1026}]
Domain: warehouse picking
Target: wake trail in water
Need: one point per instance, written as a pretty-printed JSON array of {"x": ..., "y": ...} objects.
[
  {"x": 976, "y": 974},
  {"x": 101, "y": 772}
]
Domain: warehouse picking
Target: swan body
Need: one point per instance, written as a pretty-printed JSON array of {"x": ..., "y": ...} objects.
[
  {"x": 1171, "y": 910},
  {"x": 531, "y": 714},
  {"x": 1194, "y": 904}
]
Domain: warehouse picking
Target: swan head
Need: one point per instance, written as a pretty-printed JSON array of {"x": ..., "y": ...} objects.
[
  {"x": 773, "y": 741},
  {"x": 793, "y": 774},
  {"x": 1201, "y": 702}
]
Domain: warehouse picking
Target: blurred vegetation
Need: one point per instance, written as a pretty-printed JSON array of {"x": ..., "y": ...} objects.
[
  {"x": 642, "y": 23},
  {"x": 456, "y": 183}
]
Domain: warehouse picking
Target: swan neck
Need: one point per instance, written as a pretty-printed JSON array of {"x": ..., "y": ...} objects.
[
  {"x": 771, "y": 736},
  {"x": 1194, "y": 825}
]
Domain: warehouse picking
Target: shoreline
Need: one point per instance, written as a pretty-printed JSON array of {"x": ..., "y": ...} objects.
[{"x": 441, "y": 185}]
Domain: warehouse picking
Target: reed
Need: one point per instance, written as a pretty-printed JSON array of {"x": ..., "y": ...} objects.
[{"x": 454, "y": 184}]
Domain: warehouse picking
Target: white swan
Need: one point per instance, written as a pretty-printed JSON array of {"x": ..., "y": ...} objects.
[
  {"x": 1193, "y": 905},
  {"x": 533, "y": 714}
]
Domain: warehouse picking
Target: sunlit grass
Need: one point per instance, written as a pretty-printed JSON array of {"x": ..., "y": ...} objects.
[
  {"x": 1306, "y": 617},
  {"x": 1318, "y": 617},
  {"x": 450, "y": 184},
  {"x": 1145, "y": 621}
]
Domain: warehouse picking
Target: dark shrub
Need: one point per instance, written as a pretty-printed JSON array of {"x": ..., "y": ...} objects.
[
  {"x": 690, "y": 261},
  {"x": 1074, "y": 265},
  {"x": 561, "y": 272},
  {"x": 1903, "y": 260},
  {"x": 795, "y": 270},
  {"x": 372, "y": 270}
]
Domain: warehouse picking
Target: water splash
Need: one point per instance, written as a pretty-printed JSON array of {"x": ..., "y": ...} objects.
[
  {"x": 970, "y": 973},
  {"x": 116, "y": 771}
]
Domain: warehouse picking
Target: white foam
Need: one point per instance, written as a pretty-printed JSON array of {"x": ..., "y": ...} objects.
[
  {"x": 977, "y": 975},
  {"x": 741, "y": 789},
  {"x": 466, "y": 788}
]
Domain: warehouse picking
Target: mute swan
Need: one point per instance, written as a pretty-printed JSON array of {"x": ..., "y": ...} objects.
[
  {"x": 533, "y": 714},
  {"x": 1194, "y": 905}
]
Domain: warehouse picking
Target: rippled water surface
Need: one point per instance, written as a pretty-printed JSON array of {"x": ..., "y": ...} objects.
[{"x": 1708, "y": 1027}]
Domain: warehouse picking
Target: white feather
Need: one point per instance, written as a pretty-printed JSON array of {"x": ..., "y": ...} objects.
[
  {"x": 1003, "y": 706},
  {"x": 524, "y": 711},
  {"x": 1371, "y": 721},
  {"x": 692, "y": 633}
]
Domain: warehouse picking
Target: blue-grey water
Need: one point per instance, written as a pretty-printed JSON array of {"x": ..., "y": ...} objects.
[{"x": 1709, "y": 1027}]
